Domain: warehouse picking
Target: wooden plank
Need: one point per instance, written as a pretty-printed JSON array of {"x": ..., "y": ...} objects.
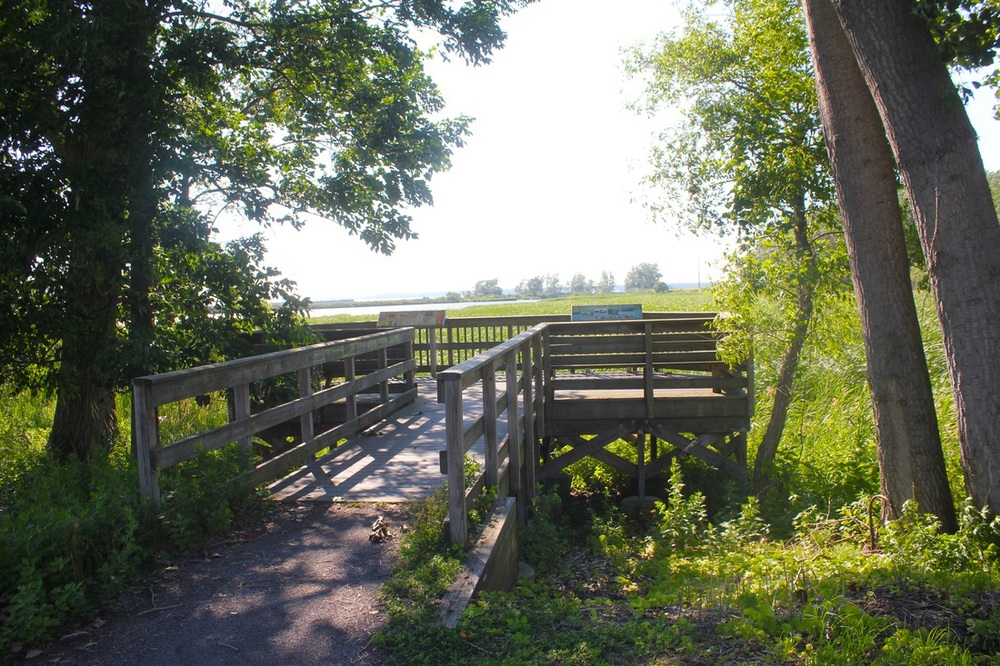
[
  {"x": 610, "y": 407},
  {"x": 300, "y": 454},
  {"x": 569, "y": 427},
  {"x": 171, "y": 454},
  {"x": 173, "y": 386},
  {"x": 490, "y": 566}
]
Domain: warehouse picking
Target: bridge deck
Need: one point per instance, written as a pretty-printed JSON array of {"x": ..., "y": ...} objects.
[
  {"x": 394, "y": 461},
  {"x": 398, "y": 459}
]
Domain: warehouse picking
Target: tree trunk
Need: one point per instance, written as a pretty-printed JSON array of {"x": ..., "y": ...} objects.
[
  {"x": 107, "y": 160},
  {"x": 805, "y": 291},
  {"x": 911, "y": 462},
  {"x": 938, "y": 157}
]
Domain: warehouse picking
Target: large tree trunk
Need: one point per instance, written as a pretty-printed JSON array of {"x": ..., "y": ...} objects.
[
  {"x": 911, "y": 462},
  {"x": 108, "y": 161},
  {"x": 805, "y": 292},
  {"x": 938, "y": 157}
]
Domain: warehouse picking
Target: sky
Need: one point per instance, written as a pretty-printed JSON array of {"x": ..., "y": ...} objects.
[{"x": 549, "y": 181}]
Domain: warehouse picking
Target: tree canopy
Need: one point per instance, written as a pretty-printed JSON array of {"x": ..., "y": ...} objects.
[{"x": 127, "y": 128}]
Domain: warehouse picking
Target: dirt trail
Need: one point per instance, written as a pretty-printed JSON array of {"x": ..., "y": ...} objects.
[{"x": 302, "y": 590}]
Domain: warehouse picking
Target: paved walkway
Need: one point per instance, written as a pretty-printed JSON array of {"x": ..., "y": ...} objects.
[{"x": 397, "y": 460}]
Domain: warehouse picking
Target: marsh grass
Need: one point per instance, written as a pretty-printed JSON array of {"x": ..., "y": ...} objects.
[{"x": 679, "y": 300}]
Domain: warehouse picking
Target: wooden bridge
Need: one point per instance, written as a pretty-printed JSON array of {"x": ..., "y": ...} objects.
[{"x": 525, "y": 396}]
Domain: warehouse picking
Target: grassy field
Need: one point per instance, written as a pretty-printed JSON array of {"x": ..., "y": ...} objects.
[{"x": 679, "y": 300}]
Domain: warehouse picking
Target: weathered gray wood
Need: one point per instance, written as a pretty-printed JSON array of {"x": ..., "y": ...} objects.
[
  {"x": 241, "y": 412},
  {"x": 490, "y": 566},
  {"x": 647, "y": 374},
  {"x": 583, "y": 450},
  {"x": 528, "y": 421},
  {"x": 451, "y": 385},
  {"x": 489, "y": 379},
  {"x": 514, "y": 429},
  {"x": 170, "y": 454},
  {"x": 173, "y": 386},
  {"x": 144, "y": 420},
  {"x": 352, "y": 397},
  {"x": 297, "y": 456},
  {"x": 305, "y": 390}
]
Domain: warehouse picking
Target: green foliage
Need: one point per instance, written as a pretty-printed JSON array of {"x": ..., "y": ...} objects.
[
  {"x": 72, "y": 534},
  {"x": 203, "y": 496},
  {"x": 127, "y": 128},
  {"x": 643, "y": 277},
  {"x": 544, "y": 540}
]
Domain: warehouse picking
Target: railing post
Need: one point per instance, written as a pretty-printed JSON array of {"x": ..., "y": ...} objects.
[
  {"x": 144, "y": 433},
  {"x": 647, "y": 370},
  {"x": 383, "y": 363},
  {"x": 305, "y": 390},
  {"x": 409, "y": 352},
  {"x": 530, "y": 443},
  {"x": 514, "y": 432},
  {"x": 451, "y": 344},
  {"x": 241, "y": 410},
  {"x": 539, "y": 350},
  {"x": 489, "y": 379},
  {"x": 352, "y": 400},
  {"x": 454, "y": 421}
]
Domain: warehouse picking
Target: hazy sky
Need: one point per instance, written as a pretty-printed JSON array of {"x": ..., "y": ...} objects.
[{"x": 548, "y": 181}]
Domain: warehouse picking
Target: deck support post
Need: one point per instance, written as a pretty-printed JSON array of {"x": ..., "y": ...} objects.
[{"x": 640, "y": 445}]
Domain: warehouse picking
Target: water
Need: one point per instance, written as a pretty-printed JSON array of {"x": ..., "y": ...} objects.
[{"x": 402, "y": 307}]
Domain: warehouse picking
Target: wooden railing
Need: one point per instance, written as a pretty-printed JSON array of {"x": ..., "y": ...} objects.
[
  {"x": 364, "y": 365},
  {"x": 508, "y": 464},
  {"x": 462, "y": 338}
]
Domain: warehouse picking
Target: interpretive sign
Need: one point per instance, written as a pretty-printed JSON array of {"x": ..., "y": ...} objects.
[
  {"x": 606, "y": 312},
  {"x": 412, "y": 318}
]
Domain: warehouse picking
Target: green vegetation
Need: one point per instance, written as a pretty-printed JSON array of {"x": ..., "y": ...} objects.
[
  {"x": 710, "y": 576},
  {"x": 74, "y": 533},
  {"x": 681, "y": 585},
  {"x": 676, "y": 300}
]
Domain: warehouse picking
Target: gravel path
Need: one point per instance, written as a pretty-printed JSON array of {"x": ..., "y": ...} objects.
[{"x": 302, "y": 590}]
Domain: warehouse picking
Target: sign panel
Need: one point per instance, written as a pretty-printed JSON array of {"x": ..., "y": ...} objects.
[
  {"x": 412, "y": 318},
  {"x": 606, "y": 312}
]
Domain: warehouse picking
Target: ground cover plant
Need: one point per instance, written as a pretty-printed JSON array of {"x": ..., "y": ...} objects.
[
  {"x": 710, "y": 576},
  {"x": 75, "y": 532},
  {"x": 678, "y": 585}
]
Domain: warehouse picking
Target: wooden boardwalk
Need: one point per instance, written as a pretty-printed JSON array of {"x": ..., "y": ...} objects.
[{"x": 396, "y": 460}]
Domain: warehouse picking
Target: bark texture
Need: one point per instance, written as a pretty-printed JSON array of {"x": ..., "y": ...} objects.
[
  {"x": 911, "y": 462},
  {"x": 938, "y": 157}
]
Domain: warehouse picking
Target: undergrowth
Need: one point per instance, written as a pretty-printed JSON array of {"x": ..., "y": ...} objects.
[
  {"x": 75, "y": 533},
  {"x": 678, "y": 585}
]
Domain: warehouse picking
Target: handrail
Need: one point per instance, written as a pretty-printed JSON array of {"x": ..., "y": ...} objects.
[
  {"x": 151, "y": 392},
  {"x": 570, "y": 356},
  {"x": 521, "y": 401},
  {"x": 461, "y": 338}
]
